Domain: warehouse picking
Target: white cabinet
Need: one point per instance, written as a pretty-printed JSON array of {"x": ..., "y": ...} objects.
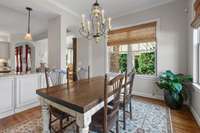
[
  {"x": 6, "y": 96},
  {"x": 18, "y": 92},
  {"x": 26, "y": 91}
]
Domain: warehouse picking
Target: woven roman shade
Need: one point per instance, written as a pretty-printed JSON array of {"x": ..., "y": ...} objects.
[
  {"x": 132, "y": 35},
  {"x": 196, "y": 22}
]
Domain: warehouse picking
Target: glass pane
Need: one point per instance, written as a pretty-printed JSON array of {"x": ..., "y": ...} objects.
[
  {"x": 123, "y": 62},
  {"x": 143, "y": 57},
  {"x": 123, "y": 48},
  {"x": 135, "y": 47},
  {"x": 145, "y": 63}
]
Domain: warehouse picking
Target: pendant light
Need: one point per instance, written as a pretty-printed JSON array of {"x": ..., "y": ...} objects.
[{"x": 28, "y": 35}]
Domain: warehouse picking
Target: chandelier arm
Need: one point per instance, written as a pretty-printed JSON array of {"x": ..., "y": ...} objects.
[
  {"x": 82, "y": 32},
  {"x": 87, "y": 35}
]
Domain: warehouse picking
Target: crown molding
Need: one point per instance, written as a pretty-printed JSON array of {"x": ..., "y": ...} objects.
[
  {"x": 65, "y": 8},
  {"x": 142, "y": 9}
]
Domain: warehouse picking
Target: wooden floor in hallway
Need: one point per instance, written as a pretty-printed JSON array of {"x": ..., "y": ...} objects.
[{"x": 182, "y": 120}]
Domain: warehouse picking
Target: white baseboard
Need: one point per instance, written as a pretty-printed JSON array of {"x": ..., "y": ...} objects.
[
  {"x": 195, "y": 114},
  {"x": 6, "y": 114},
  {"x": 148, "y": 95},
  {"x": 23, "y": 108}
]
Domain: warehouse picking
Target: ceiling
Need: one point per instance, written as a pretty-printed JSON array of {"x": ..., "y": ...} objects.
[
  {"x": 43, "y": 10},
  {"x": 39, "y": 11},
  {"x": 114, "y": 8},
  {"x": 14, "y": 22}
]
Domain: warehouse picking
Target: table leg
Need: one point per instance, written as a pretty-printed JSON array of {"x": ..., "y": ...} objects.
[
  {"x": 83, "y": 121},
  {"x": 84, "y": 130},
  {"x": 45, "y": 116}
]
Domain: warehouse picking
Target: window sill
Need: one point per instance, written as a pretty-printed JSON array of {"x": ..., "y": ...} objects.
[
  {"x": 196, "y": 87},
  {"x": 113, "y": 74},
  {"x": 146, "y": 76}
]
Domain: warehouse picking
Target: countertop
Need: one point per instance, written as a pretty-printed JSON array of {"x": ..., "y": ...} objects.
[{"x": 13, "y": 74}]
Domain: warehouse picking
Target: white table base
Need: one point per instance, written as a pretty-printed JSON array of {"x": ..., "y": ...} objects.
[{"x": 83, "y": 120}]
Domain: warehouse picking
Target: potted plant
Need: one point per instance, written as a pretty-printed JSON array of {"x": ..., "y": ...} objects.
[{"x": 173, "y": 86}]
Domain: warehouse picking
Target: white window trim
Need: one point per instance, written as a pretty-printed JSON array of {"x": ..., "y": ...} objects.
[
  {"x": 129, "y": 51},
  {"x": 146, "y": 76},
  {"x": 196, "y": 87}
]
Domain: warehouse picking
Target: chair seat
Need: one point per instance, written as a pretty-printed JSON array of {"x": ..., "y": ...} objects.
[
  {"x": 98, "y": 120},
  {"x": 58, "y": 114},
  {"x": 127, "y": 98}
]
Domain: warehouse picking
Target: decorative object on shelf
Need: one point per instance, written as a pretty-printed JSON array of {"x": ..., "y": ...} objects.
[
  {"x": 4, "y": 66},
  {"x": 20, "y": 58},
  {"x": 28, "y": 35},
  {"x": 174, "y": 88},
  {"x": 27, "y": 50},
  {"x": 23, "y": 58},
  {"x": 97, "y": 26},
  {"x": 16, "y": 58}
]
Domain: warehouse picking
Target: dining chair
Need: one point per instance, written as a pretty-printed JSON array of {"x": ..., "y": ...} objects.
[
  {"x": 53, "y": 78},
  {"x": 79, "y": 73},
  {"x": 104, "y": 120},
  {"x": 125, "y": 97}
]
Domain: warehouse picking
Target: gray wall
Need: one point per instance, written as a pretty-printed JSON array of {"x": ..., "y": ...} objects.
[
  {"x": 4, "y": 50},
  {"x": 171, "y": 41}
]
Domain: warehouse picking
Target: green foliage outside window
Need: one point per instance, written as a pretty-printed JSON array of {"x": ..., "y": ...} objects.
[
  {"x": 145, "y": 63},
  {"x": 123, "y": 62}
]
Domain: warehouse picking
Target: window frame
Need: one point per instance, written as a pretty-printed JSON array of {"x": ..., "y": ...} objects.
[
  {"x": 198, "y": 56},
  {"x": 132, "y": 52},
  {"x": 155, "y": 64},
  {"x": 158, "y": 28}
]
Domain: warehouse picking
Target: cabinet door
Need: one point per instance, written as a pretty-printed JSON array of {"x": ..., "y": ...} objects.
[
  {"x": 26, "y": 90},
  {"x": 6, "y": 96}
]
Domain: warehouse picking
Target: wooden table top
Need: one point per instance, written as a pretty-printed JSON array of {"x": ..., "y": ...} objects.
[{"x": 81, "y": 96}]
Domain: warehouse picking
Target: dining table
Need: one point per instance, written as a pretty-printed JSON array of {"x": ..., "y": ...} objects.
[{"x": 81, "y": 99}]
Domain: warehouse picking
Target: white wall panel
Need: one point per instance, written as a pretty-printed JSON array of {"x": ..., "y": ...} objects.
[{"x": 6, "y": 96}]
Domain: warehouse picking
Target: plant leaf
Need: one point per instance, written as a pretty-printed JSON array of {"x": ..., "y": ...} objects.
[{"x": 177, "y": 87}]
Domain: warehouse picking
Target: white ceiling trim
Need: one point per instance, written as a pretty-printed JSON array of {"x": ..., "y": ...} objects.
[
  {"x": 74, "y": 13},
  {"x": 142, "y": 9},
  {"x": 63, "y": 8}
]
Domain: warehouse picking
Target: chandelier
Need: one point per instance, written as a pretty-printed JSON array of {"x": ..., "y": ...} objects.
[{"x": 97, "y": 25}]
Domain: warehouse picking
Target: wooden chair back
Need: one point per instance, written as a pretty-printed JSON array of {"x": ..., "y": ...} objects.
[
  {"x": 128, "y": 85},
  {"x": 53, "y": 77},
  {"x": 130, "y": 80},
  {"x": 116, "y": 85},
  {"x": 67, "y": 75},
  {"x": 88, "y": 73}
]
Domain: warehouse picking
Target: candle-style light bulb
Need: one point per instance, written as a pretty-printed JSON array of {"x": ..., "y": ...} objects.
[
  {"x": 88, "y": 26},
  {"x": 109, "y": 23},
  {"x": 83, "y": 20},
  {"x": 98, "y": 27},
  {"x": 103, "y": 17}
]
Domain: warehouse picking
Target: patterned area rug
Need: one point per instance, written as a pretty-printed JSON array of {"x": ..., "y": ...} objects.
[{"x": 147, "y": 118}]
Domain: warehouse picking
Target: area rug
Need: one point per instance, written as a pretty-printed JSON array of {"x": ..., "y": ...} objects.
[{"x": 147, "y": 118}]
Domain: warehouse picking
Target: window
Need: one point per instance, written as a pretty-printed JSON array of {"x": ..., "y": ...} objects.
[
  {"x": 133, "y": 48},
  {"x": 197, "y": 56},
  {"x": 141, "y": 57},
  {"x": 144, "y": 58}
]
